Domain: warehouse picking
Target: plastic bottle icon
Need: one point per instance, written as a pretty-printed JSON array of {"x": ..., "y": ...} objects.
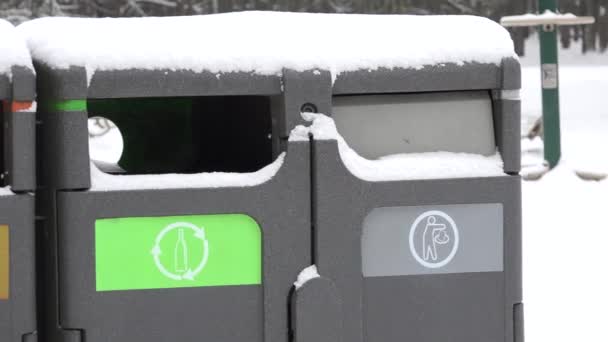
[
  {"x": 180, "y": 253},
  {"x": 434, "y": 234}
]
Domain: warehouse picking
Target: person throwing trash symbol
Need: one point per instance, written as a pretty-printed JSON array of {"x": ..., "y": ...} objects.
[
  {"x": 434, "y": 234},
  {"x": 433, "y": 239}
]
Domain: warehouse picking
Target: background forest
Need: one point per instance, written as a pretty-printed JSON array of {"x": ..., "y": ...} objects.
[{"x": 593, "y": 37}]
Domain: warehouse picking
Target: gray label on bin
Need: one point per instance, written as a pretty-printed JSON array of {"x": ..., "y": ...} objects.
[{"x": 432, "y": 239}]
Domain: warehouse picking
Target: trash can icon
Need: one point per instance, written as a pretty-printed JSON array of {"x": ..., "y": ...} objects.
[{"x": 439, "y": 242}]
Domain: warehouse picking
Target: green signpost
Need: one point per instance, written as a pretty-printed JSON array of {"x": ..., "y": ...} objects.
[
  {"x": 550, "y": 86},
  {"x": 548, "y": 20}
]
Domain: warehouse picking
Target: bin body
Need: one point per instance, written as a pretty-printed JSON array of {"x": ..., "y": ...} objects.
[
  {"x": 17, "y": 238},
  {"x": 231, "y": 310},
  {"x": 117, "y": 255},
  {"x": 17, "y": 268},
  {"x": 98, "y": 285},
  {"x": 424, "y": 259}
]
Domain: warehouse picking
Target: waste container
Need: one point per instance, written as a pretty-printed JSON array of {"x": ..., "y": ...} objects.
[
  {"x": 200, "y": 228},
  {"x": 17, "y": 181},
  {"x": 417, "y": 203},
  {"x": 185, "y": 238}
]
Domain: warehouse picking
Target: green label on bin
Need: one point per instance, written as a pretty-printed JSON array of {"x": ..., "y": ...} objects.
[{"x": 136, "y": 253}]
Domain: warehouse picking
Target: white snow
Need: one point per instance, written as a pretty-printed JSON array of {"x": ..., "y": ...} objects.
[
  {"x": 101, "y": 181},
  {"x": 565, "y": 233},
  {"x": 546, "y": 14},
  {"x": 547, "y": 17},
  {"x": 6, "y": 191},
  {"x": 266, "y": 42},
  {"x": 407, "y": 166},
  {"x": 13, "y": 50},
  {"x": 306, "y": 275},
  {"x": 565, "y": 230}
]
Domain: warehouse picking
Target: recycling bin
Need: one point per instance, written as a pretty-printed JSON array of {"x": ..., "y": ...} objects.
[
  {"x": 417, "y": 204},
  {"x": 17, "y": 181},
  {"x": 198, "y": 231},
  {"x": 220, "y": 200}
]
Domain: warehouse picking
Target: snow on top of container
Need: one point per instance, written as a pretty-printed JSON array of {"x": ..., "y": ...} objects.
[
  {"x": 6, "y": 191},
  {"x": 101, "y": 181},
  {"x": 405, "y": 166},
  {"x": 266, "y": 42},
  {"x": 13, "y": 50}
]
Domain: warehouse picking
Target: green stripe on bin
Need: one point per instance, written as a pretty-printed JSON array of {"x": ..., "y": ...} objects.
[
  {"x": 65, "y": 105},
  {"x": 177, "y": 251}
]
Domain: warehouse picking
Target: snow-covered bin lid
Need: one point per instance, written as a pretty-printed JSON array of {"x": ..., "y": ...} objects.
[
  {"x": 14, "y": 58},
  {"x": 13, "y": 50},
  {"x": 266, "y": 42},
  {"x": 17, "y": 95}
]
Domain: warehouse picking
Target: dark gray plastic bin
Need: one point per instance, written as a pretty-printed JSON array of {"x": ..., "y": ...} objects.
[
  {"x": 364, "y": 231},
  {"x": 312, "y": 212},
  {"x": 17, "y": 238},
  {"x": 81, "y": 306}
]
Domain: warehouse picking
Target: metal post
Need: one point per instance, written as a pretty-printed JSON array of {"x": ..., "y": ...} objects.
[{"x": 550, "y": 86}]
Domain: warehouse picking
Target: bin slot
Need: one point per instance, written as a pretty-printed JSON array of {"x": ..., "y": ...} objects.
[
  {"x": 388, "y": 124},
  {"x": 184, "y": 134}
]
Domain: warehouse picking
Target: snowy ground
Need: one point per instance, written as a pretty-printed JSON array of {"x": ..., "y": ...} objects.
[{"x": 565, "y": 233}]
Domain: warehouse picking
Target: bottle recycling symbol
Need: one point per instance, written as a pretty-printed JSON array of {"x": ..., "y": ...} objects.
[{"x": 176, "y": 263}]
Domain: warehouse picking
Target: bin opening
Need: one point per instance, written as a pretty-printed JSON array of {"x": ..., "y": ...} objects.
[
  {"x": 386, "y": 124},
  {"x": 183, "y": 134}
]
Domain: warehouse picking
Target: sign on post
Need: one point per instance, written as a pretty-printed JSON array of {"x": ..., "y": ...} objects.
[{"x": 548, "y": 21}]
